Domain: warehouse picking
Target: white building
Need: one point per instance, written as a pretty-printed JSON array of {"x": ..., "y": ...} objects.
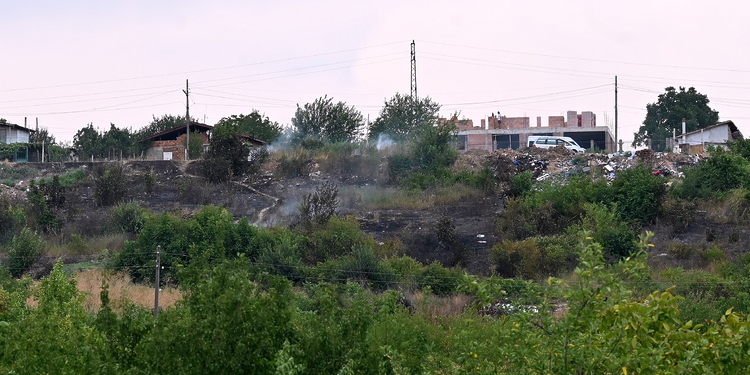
[{"x": 696, "y": 141}]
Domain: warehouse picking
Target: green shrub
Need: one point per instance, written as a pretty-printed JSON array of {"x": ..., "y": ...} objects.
[
  {"x": 638, "y": 194},
  {"x": 12, "y": 217},
  {"x": 713, "y": 177},
  {"x": 46, "y": 200},
  {"x": 712, "y": 255},
  {"x": 70, "y": 178},
  {"x": 294, "y": 163},
  {"x": 110, "y": 185},
  {"x": 678, "y": 213},
  {"x": 484, "y": 179},
  {"x": 406, "y": 271},
  {"x": 318, "y": 207},
  {"x": 336, "y": 238},
  {"x": 680, "y": 250},
  {"x": 399, "y": 167},
  {"x": 440, "y": 280},
  {"x": 533, "y": 258},
  {"x": 129, "y": 217},
  {"x": 149, "y": 179},
  {"x": 617, "y": 239},
  {"x": 518, "y": 221},
  {"x": 283, "y": 257},
  {"x": 520, "y": 184},
  {"x": 25, "y": 250},
  {"x": 361, "y": 266}
]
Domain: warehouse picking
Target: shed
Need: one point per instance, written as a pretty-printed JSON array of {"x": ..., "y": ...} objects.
[
  {"x": 12, "y": 133},
  {"x": 718, "y": 134},
  {"x": 170, "y": 144}
]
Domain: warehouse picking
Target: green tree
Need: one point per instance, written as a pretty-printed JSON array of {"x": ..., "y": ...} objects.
[
  {"x": 325, "y": 121},
  {"x": 42, "y": 135},
  {"x": 227, "y": 156},
  {"x": 254, "y": 124},
  {"x": 88, "y": 142},
  {"x": 402, "y": 115},
  {"x": 667, "y": 114},
  {"x": 117, "y": 142}
]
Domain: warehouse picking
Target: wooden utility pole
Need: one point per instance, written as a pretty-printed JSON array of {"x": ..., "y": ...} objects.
[
  {"x": 616, "y": 117},
  {"x": 156, "y": 284},
  {"x": 187, "y": 119},
  {"x": 413, "y": 72}
]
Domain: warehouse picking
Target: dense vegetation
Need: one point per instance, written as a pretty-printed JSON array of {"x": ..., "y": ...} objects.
[{"x": 572, "y": 288}]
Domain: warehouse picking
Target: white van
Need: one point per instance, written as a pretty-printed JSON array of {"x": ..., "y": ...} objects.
[{"x": 552, "y": 141}]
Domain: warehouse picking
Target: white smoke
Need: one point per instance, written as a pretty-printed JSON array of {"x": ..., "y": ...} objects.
[{"x": 384, "y": 141}]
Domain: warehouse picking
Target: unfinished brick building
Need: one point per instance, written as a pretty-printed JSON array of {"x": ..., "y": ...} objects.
[
  {"x": 170, "y": 144},
  {"x": 499, "y": 132}
]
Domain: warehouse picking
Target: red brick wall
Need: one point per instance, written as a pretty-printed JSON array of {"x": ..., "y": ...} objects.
[{"x": 556, "y": 121}]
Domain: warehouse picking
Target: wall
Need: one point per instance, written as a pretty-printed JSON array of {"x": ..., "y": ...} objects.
[{"x": 175, "y": 146}]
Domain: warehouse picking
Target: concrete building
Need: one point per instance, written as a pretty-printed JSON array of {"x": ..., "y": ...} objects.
[
  {"x": 12, "y": 133},
  {"x": 697, "y": 141},
  {"x": 501, "y": 132}
]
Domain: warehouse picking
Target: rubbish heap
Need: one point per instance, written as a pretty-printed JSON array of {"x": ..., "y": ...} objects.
[{"x": 560, "y": 163}]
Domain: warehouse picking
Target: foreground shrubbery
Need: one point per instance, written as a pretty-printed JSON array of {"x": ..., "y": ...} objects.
[{"x": 234, "y": 319}]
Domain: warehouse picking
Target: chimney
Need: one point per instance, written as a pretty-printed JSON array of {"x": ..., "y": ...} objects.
[{"x": 683, "y": 126}]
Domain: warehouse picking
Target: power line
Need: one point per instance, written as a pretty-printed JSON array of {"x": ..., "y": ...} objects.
[{"x": 589, "y": 59}]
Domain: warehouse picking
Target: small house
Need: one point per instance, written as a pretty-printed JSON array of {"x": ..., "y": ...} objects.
[
  {"x": 719, "y": 134},
  {"x": 12, "y": 133},
  {"x": 170, "y": 144}
]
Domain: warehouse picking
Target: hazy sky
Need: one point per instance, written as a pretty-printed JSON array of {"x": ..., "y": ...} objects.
[{"x": 71, "y": 63}]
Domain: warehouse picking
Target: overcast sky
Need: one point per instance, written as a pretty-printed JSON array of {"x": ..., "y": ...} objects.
[{"x": 71, "y": 63}]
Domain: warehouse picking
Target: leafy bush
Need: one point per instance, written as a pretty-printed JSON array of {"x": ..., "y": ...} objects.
[
  {"x": 638, "y": 194},
  {"x": 361, "y": 266},
  {"x": 294, "y": 163},
  {"x": 533, "y": 258},
  {"x": 283, "y": 257},
  {"x": 12, "y": 217},
  {"x": 70, "y": 178},
  {"x": 46, "y": 200},
  {"x": 25, "y": 250},
  {"x": 678, "y": 213},
  {"x": 227, "y": 156},
  {"x": 440, "y": 280},
  {"x": 110, "y": 185},
  {"x": 398, "y": 167},
  {"x": 713, "y": 177},
  {"x": 129, "y": 217},
  {"x": 520, "y": 184},
  {"x": 317, "y": 208},
  {"x": 336, "y": 238},
  {"x": 617, "y": 239},
  {"x": 149, "y": 179}
]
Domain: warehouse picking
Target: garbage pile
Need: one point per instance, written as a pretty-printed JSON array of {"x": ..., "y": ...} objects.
[{"x": 560, "y": 163}]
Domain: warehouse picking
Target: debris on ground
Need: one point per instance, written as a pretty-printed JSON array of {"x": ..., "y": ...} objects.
[{"x": 560, "y": 163}]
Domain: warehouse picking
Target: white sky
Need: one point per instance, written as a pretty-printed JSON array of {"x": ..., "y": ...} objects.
[{"x": 71, "y": 63}]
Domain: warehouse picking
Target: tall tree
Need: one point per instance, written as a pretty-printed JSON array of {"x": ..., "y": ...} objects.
[
  {"x": 667, "y": 114},
  {"x": 402, "y": 115},
  {"x": 88, "y": 142},
  {"x": 255, "y": 124},
  {"x": 42, "y": 135},
  {"x": 227, "y": 156},
  {"x": 324, "y": 120}
]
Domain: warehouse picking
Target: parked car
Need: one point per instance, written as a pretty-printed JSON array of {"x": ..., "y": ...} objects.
[{"x": 553, "y": 141}]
